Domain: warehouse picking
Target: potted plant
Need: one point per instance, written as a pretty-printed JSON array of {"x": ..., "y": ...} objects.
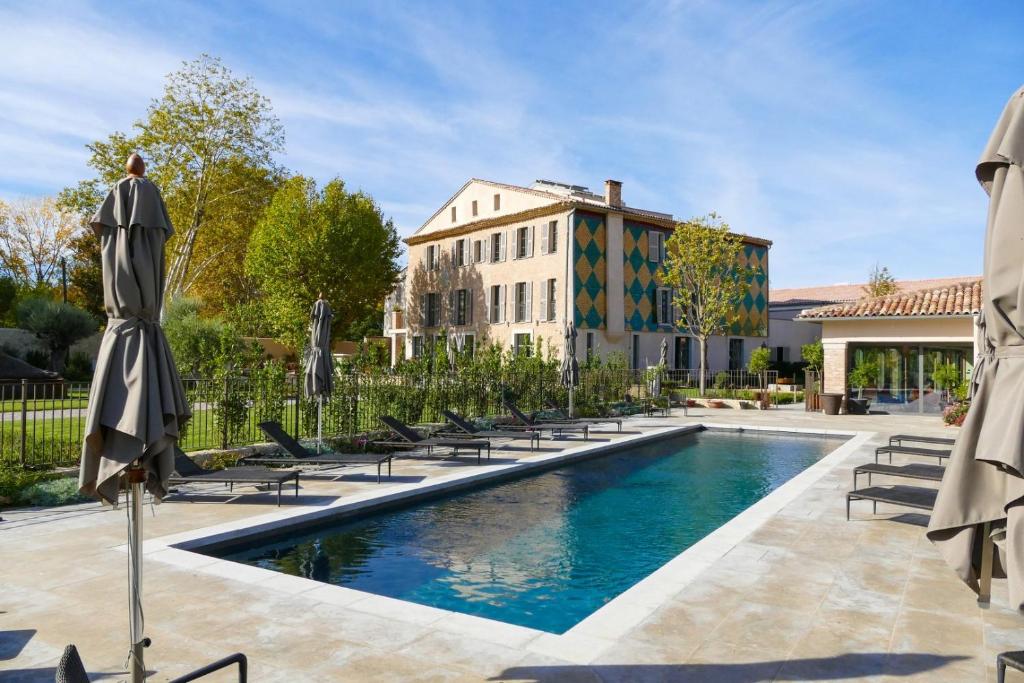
[
  {"x": 863, "y": 375},
  {"x": 948, "y": 378}
]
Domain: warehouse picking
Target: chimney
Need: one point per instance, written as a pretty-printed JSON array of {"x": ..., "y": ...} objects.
[{"x": 613, "y": 192}]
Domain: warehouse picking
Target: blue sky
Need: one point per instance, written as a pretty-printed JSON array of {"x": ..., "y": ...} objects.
[{"x": 846, "y": 132}]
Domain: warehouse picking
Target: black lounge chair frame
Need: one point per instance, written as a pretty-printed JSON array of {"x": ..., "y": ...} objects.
[
  {"x": 617, "y": 421},
  {"x": 297, "y": 454},
  {"x": 553, "y": 427},
  {"x": 468, "y": 429},
  {"x": 907, "y": 496},
  {"x": 187, "y": 472},
  {"x": 911, "y": 450},
  {"x": 410, "y": 438},
  {"x": 898, "y": 439},
  {"x": 915, "y": 470}
]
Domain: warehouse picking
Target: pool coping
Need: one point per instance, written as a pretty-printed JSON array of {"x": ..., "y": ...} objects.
[{"x": 583, "y": 642}]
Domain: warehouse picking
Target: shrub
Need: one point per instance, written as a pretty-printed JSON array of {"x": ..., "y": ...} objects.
[
  {"x": 78, "y": 368},
  {"x": 61, "y": 491},
  {"x": 955, "y": 414},
  {"x": 56, "y": 324},
  {"x": 37, "y": 358},
  {"x": 222, "y": 460},
  {"x": 13, "y": 479},
  {"x": 722, "y": 380}
]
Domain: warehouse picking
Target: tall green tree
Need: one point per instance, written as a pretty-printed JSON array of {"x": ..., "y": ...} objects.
[
  {"x": 880, "y": 282},
  {"x": 327, "y": 241},
  {"x": 209, "y": 143},
  {"x": 702, "y": 265},
  {"x": 56, "y": 324}
]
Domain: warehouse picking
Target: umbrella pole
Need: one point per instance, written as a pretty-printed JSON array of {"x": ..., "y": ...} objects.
[
  {"x": 136, "y": 476},
  {"x": 320, "y": 423},
  {"x": 570, "y": 402}
]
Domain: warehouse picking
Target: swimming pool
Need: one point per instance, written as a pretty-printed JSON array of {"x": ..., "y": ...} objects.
[{"x": 547, "y": 550}]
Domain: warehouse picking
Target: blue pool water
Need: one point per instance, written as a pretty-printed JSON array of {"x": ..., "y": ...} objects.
[{"x": 547, "y": 550}]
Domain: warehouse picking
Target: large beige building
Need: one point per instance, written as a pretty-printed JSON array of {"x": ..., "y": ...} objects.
[{"x": 509, "y": 265}]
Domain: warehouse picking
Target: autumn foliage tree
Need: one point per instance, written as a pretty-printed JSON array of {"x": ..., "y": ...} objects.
[
  {"x": 34, "y": 236},
  {"x": 703, "y": 267},
  {"x": 311, "y": 241},
  {"x": 208, "y": 142}
]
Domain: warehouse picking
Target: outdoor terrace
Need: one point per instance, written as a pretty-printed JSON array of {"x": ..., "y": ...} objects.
[{"x": 798, "y": 593}]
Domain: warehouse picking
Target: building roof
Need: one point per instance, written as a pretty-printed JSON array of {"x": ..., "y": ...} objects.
[
  {"x": 950, "y": 300},
  {"x": 563, "y": 197},
  {"x": 12, "y": 368},
  {"x": 832, "y": 294}
]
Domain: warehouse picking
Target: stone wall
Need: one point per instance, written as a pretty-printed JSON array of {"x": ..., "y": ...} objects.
[{"x": 835, "y": 367}]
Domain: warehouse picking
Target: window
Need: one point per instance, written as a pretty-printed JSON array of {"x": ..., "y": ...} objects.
[
  {"x": 430, "y": 257},
  {"x": 524, "y": 242},
  {"x": 497, "y": 247},
  {"x": 497, "y": 202},
  {"x": 682, "y": 353},
  {"x": 522, "y": 344},
  {"x": 417, "y": 347},
  {"x": 547, "y": 299},
  {"x": 430, "y": 305},
  {"x": 655, "y": 246},
  {"x": 453, "y": 214},
  {"x": 462, "y": 313},
  {"x": 474, "y": 207},
  {"x": 522, "y": 307},
  {"x": 735, "y": 354},
  {"x": 469, "y": 345},
  {"x": 663, "y": 306},
  {"x": 590, "y": 345},
  {"x": 478, "y": 251},
  {"x": 496, "y": 303},
  {"x": 636, "y": 352},
  {"x": 460, "y": 252},
  {"x": 549, "y": 238}
]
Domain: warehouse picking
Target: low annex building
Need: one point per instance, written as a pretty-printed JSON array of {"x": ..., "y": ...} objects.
[
  {"x": 906, "y": 336},
  {"x": 511, "y": 264}
]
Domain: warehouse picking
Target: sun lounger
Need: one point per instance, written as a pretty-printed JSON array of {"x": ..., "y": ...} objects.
[
  {"x": 526, "y": 422},
  {"x": 562, "y": 417},
  {"x": 187, "y": 472},
  {"x": 407, "y": 437},
  {"x": 907, "y": 496},
  {"x": 467, "y": 428},
  {"x": 898, "y": 439},
  {"x": 913, "y": 471},
  {"x": 1015, "y": 660},
  {"x": 297, "y": 454},
  {"x": 911, "y": 450}
]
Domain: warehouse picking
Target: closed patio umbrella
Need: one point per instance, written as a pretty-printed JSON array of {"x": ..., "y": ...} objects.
[
  {"x": 662, "y": 364},
  {"x": 318, "y": 372},
  {"x": 136, "y": 404},
  {"x": 570, "y": 368},
  {"x": 981, "y": 498}
]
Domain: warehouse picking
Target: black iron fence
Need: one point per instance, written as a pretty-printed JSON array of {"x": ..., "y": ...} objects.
[{"x": 44, "y": 423}]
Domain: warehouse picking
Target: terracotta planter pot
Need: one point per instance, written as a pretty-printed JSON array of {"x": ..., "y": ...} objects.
[
  {"x": 830, "y": 403},
  {"x": 715, "y": 403}
]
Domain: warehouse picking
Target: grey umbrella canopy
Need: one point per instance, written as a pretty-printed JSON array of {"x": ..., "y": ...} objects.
[
  {"x": 983, "y": 487},
  {"x": 319, "y": 366},
  {"x": 662, "y": 364},
  {"x": 570, "y": 367},
  {"x": 136, "y": 404}
]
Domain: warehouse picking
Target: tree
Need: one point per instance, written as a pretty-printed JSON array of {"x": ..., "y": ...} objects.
[
  {"x": 326, "y": 241},
  {"x": 208, "y": 142},
  {"x": 702, "y": 265},
  {"x": 85, "y": 273},
  {"x": 880, "y": 282},
  {"x": 814, "y": 355},
  {"x": 56, "y": 324},
  {"x": 34, "y": 235},
  {"x": 760, "y": 361}
]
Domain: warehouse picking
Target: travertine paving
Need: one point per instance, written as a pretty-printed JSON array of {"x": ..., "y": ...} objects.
[{"x": 804, "y": 595}]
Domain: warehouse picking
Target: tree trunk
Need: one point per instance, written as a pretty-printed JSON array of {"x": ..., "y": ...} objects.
[{"x": 703, "y": 364}]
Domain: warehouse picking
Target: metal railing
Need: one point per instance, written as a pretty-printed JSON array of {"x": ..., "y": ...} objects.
[{"x": 43, "y": 423}]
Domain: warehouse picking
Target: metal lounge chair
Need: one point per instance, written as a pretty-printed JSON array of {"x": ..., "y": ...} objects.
[
  {"x": 467, "y": 428},
  {"x": 187, "y": 472},
  {"x": 913, "y": 471},
  {"x": 562, "y": 417},
  {"x": 407, "y": 437},
  {"x": 912, "y": 450},
  {"x": 297, "y": 454},
  {"x": 527, "y": 422},
  {"x": 907, "y": 496},
  {"x": 898, "y": 439}
]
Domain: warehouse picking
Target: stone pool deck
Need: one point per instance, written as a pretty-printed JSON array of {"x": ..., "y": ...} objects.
[{"x": 801, "y": 594}]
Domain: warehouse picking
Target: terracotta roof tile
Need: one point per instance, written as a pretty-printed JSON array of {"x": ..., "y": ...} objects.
[
  {"x": 853, "y": 292},
  {"x": 960, "y": 298}
]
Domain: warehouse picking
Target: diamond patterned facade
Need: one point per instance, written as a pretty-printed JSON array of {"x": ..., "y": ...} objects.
[{"x": 640, "y": 281}]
